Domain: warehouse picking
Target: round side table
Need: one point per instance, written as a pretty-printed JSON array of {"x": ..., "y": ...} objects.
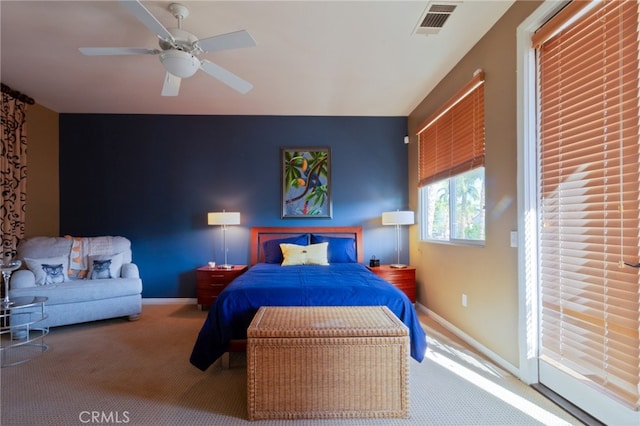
[{"x": 21, "y": 332}]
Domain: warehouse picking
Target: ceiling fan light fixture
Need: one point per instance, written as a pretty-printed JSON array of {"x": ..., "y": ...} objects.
[{"x": 179, "y": 63}]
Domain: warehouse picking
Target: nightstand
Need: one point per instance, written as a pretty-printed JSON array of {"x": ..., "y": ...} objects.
[
  {"x": 402, "y": 278},
  {"x": 211, "y": 281}
]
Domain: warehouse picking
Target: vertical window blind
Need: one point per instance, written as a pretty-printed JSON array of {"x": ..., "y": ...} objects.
[
  {"x": 451, "y": 140},
  {"x": 589, "y": 192}
]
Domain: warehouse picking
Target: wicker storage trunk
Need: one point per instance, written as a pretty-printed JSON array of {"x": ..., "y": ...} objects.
[{"x": 327, "y": 362}]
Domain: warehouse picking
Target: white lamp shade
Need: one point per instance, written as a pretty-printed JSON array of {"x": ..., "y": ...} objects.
[
  {"x": 223, "y": 218},
  {"x": 179, "y": 63},
  {"x": 398, "y": 218}
]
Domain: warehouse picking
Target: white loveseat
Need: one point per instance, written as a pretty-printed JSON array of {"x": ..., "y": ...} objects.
[{"x": 84, "y": 279}]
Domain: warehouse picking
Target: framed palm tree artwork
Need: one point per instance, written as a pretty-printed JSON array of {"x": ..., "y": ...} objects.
[{"x": 306, "y": 182}]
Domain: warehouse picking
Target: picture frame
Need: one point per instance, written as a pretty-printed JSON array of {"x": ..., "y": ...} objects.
[{"x": 306, "y": 182}]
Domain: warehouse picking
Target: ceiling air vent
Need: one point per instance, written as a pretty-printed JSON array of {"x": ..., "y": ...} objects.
[{"x": 434, "y": 17}]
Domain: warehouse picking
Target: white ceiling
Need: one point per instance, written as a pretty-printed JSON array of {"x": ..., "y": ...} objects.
[{"x": 354, "y": 58}]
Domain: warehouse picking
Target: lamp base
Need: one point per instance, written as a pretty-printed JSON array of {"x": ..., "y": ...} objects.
[
  {"x": 397, "y": 265},
  {"x": 225, "y": 266}
]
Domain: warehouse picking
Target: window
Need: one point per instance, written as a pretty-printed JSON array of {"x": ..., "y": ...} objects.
[
  {"x": 451, "y": 169},
  {"x": 459, "y": 218},
  {"x": 589, "y": 204}
]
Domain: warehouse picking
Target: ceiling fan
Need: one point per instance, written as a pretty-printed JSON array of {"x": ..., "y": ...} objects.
[{"x": 179, "y": 49}]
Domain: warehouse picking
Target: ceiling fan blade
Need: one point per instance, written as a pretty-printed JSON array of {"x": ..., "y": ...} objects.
[
  {"x": 150, "y": 21},
  {"x": 226, "y": 77},
  {"x": 234, "y": 40},
  {"x": 171, "y": 85},
  {"x": 101, "y": 51}
]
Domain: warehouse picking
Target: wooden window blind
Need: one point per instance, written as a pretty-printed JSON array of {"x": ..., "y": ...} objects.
[
  {"x": 590, "y": 197},
  {"x": 451, "y": 140}
]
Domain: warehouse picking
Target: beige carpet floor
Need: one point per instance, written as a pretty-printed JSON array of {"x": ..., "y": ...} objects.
[{"x": 138, "y": 373}]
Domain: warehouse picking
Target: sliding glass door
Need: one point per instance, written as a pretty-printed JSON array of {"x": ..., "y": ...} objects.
[{"x": 588, "y": 207}]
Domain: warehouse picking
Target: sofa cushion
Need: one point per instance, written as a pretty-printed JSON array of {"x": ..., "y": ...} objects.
[
  {"x": 105, "y": 266},
  {"x": 40, "y": 247},
  {"x": 49, "y": 270},
  {"x": 82, "y": 291},
  {"x": 23, "y": 278}
]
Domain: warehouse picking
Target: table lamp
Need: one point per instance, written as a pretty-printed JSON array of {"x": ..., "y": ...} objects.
[
  {"x": 223, "y": 219},
  {"x": 398, "y": 218}
]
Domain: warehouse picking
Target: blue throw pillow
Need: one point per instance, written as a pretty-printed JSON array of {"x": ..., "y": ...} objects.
[
  {"x": 341, "y": 250},
  {"x": 272, "y": 251}
]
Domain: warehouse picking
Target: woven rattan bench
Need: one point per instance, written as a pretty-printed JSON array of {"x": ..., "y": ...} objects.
[{"x": 327, "y": 362}]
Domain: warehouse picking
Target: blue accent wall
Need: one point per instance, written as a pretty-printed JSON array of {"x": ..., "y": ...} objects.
[{"x": 153, "y": 178}]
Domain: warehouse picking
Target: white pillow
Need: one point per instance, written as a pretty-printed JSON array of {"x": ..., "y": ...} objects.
[
  {"x": 105, "y": 266},
  {"x": 313, "y": 254},
  {"x": 50, "y": 270}
]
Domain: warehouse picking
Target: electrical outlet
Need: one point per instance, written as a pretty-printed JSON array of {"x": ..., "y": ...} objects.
[
  {"x": 464, "y": 300},
  {"x": 514, "y": 239}
]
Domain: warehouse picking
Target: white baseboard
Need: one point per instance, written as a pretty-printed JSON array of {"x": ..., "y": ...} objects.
[
  {"x": 501, "y": 362},
  {"x": 169, "y": 301}
]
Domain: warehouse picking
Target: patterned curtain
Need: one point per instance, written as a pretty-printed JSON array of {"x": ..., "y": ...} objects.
[{"x": 13, "y": 169}]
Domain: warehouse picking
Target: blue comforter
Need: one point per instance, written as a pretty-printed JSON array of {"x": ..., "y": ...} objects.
[{"x": 339, "y": 284}]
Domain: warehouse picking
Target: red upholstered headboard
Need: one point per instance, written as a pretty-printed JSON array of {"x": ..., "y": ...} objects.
[{"x": 261, "y": 234}]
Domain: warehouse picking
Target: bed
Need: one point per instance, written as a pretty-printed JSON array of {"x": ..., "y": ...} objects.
[{"x": 315, "y": 266}]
